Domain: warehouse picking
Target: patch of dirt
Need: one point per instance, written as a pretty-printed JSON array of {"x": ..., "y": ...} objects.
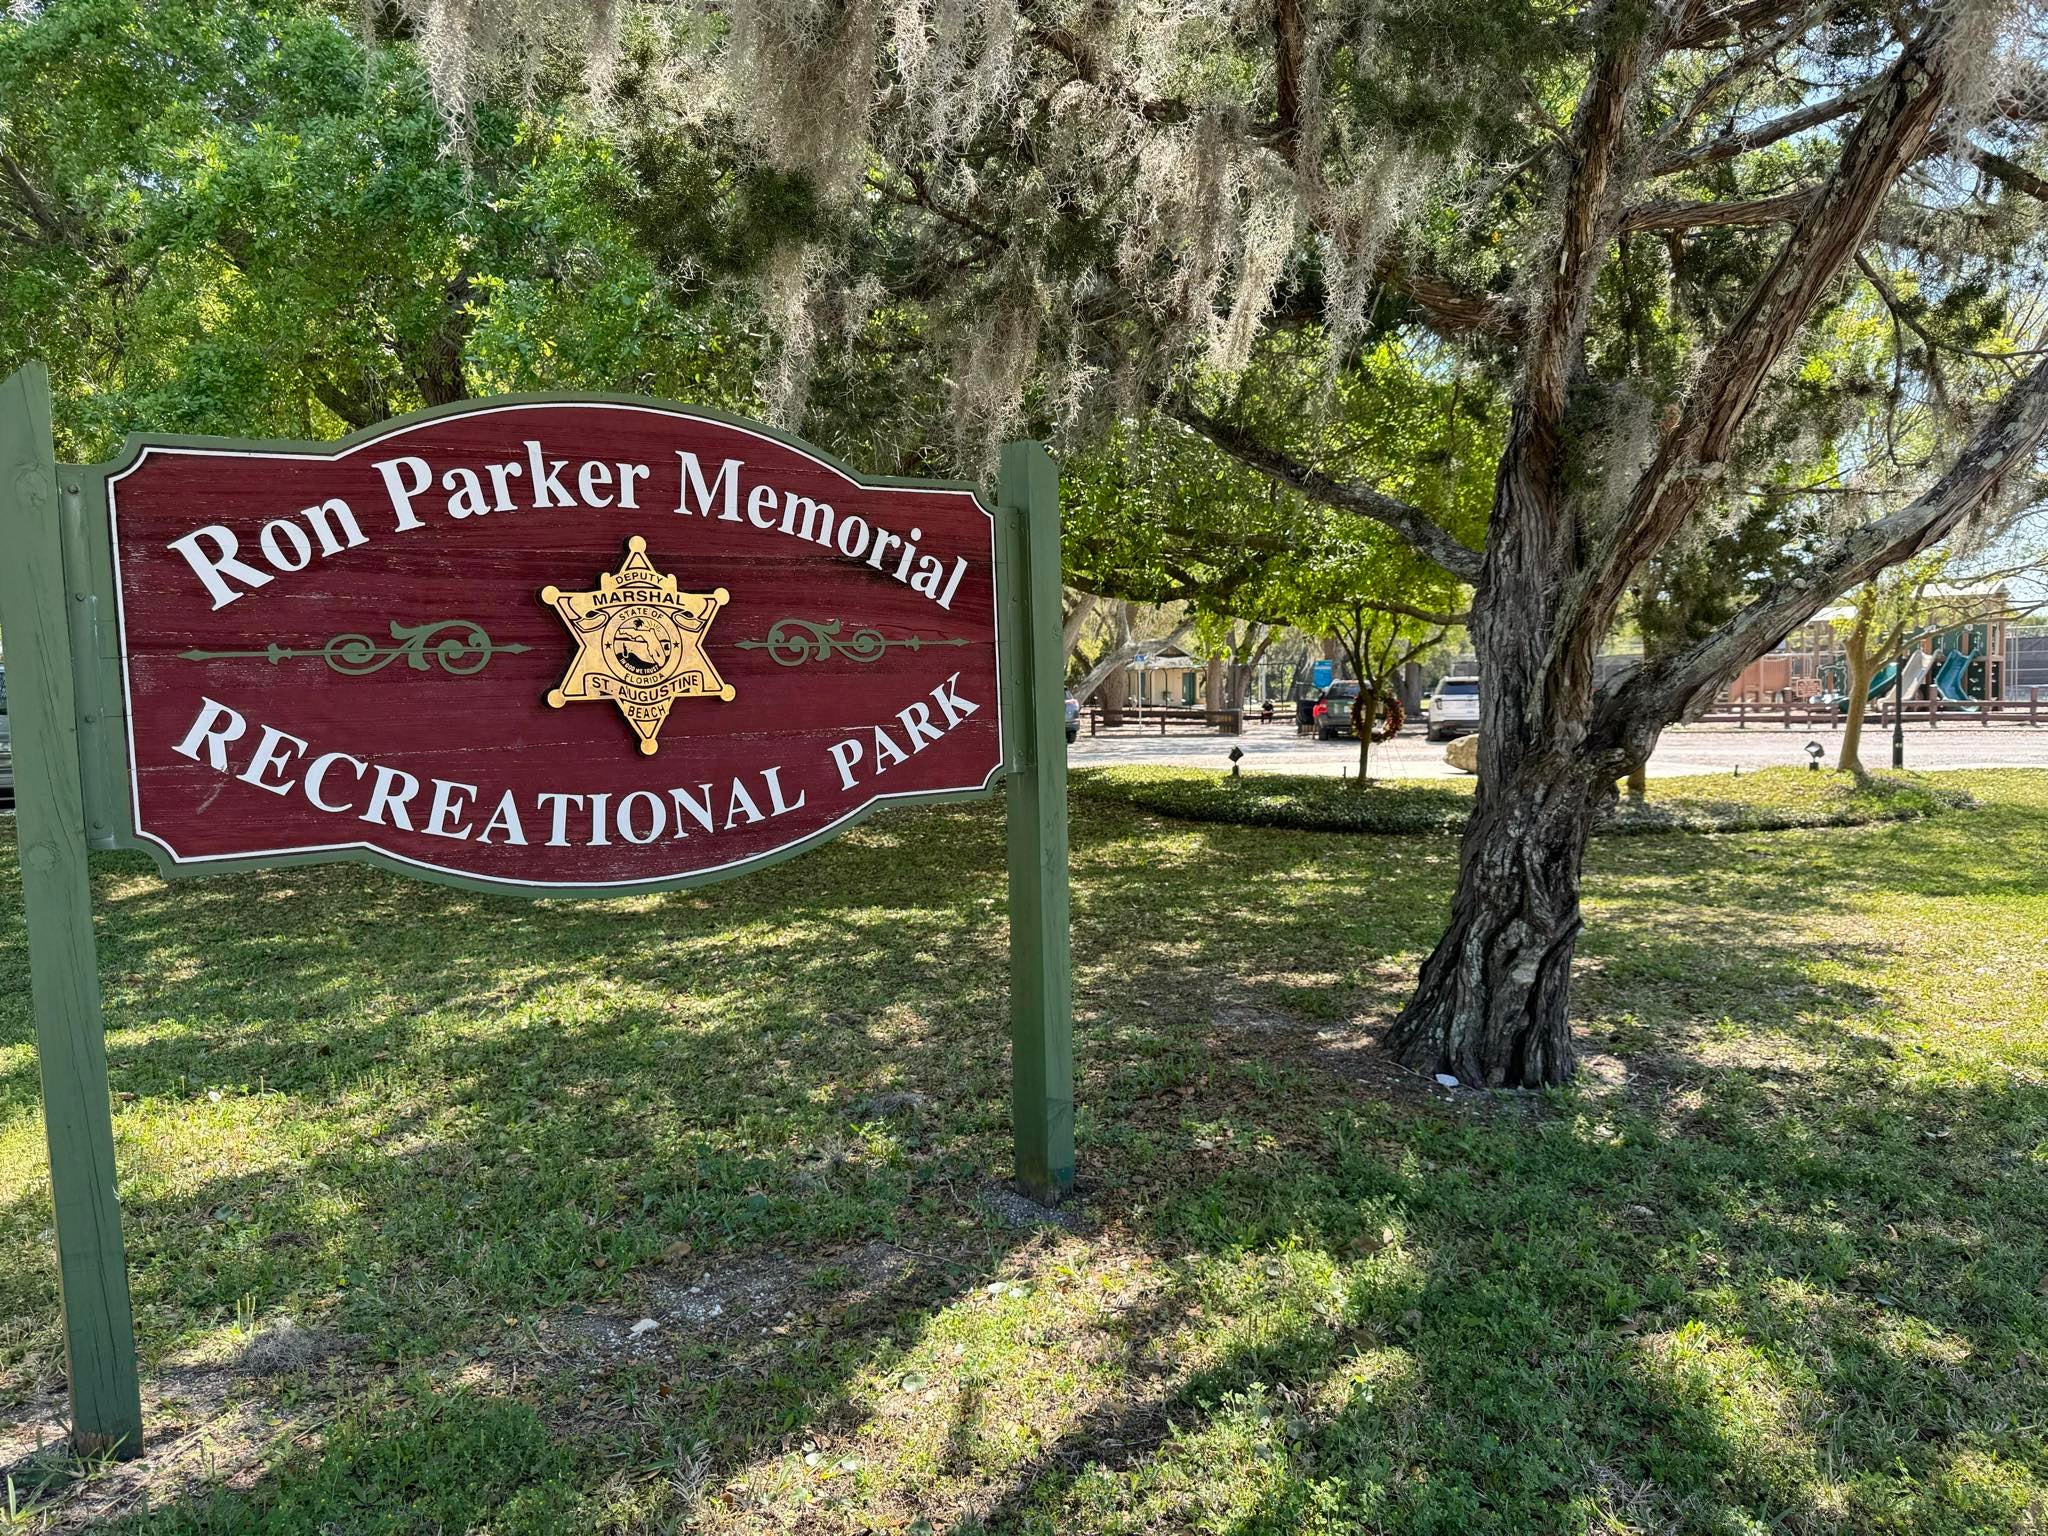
[
  {"x": 207, "y": 1424},
  {"x": 1351, "y": 1051},
  {"x": 693, "y": 1302}
]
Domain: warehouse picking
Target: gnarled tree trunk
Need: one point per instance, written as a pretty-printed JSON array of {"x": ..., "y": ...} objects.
[
  {"x": 1491, "y": 1003},
  {"x": 1560, "y": 554}
]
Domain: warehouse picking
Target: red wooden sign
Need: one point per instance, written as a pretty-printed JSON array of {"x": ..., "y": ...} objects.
[
  {"x": 581, "y": 645},
  {"x": 586, "y": 645}
]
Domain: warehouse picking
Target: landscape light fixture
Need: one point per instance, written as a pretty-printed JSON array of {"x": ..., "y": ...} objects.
[
  {"x": 1236, "y": 756},
  {"x": 1814, "y": 753}
]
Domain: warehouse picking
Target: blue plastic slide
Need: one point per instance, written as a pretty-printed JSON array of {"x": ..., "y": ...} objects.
[{"x": 1948, "y": 682}]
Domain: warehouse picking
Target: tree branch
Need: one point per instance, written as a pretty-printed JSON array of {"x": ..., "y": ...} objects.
[
  {"x": 1737, "y": 69},
  {"x": 1120, "y": 656},
  {"x": 920, "y": 196},
  {"x": 1448, "y": 308},
  {"x": 1411, "y": 523},
  {"x": 1410, "y": 611},
  {"x": 1087, "y": 68},
  {"x": 1732, "y": 143},
  {"x": 54, "y": 226},
  {"x": 1683, "y": 684},
  {"x": 1442, "y": 306},
  {"x": 1683, "y": 213},
  {"x": 2011, "y": 172},
  {"x": 1288, "y": 50},
  {"x": 1556, "y": 326},
  {"x": 1902, "y": 316},
  {"x": 1085, "y": 604},
  {"x": 1731, "y": 21},
  {"x": 1890, "y": 136}
]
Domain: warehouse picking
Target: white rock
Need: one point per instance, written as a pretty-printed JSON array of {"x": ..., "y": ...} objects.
[
  {"x": 1445, "y": 1080},
  {"x": 645, "y": 1325}
]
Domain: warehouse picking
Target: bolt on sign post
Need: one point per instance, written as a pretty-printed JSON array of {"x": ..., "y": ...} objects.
[{"x": 564, "y": 646}]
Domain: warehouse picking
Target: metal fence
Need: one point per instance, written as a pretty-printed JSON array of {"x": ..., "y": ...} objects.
[{"x": 2026, "y": 658}]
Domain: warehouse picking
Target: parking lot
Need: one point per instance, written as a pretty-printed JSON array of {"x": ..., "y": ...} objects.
[{"x": 1684, "y": 749}]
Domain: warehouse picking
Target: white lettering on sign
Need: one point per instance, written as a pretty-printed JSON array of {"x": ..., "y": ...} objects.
[
  {"x": 214, "y": 553},
  {"x": 231, "y": 565},
  {"x": 449, "y": 808},
  {"x": 910, "y": 732},
  {"x": 707, "y": 494}
]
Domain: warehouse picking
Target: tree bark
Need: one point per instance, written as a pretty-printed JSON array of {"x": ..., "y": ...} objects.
[
  {"x": 1112, "y": 694},
  {"x": 1491, "y": 1004},
  {"x": 1862, "y": 659}
]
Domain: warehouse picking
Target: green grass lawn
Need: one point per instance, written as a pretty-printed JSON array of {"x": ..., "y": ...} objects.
[{"x": 404, "y": 1169}]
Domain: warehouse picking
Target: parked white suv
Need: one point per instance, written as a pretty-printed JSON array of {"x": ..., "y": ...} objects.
[{"x": 1453, "y": 708}]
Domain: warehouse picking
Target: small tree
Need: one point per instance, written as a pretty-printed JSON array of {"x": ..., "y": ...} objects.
[
  {"x": 1881, "y": 613},
  {"x": 1887, "y": 612},
  {"x": 1378, "y": 643}
]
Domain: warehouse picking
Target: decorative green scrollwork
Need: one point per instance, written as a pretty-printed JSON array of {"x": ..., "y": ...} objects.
[
  {"x": 463, "y": 651},
  {"x": 792, "y": 642}
]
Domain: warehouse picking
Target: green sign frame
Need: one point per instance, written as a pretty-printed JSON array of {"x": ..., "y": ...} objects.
[{"x": 68, "y": 724}]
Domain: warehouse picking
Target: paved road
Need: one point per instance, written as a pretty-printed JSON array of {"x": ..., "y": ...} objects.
[{"x": 1683, "y": 750}]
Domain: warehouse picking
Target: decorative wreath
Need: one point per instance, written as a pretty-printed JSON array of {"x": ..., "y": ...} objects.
[{"x": 1387, "y": 706}]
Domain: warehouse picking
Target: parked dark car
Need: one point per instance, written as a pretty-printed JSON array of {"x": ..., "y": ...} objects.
[
  {"x": 1073, "y": 718},
  {"x": 1333, "y": 710}
]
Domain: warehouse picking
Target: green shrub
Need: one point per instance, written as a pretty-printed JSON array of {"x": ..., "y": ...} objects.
[{"x": 1771, "y": 800}]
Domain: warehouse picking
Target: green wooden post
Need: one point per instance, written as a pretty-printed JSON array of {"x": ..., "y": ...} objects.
[
  {"x": 1041, "y": 969},
  {"x": 99, "y": 1331}
]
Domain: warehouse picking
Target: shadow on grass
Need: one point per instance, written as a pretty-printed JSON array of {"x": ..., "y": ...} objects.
[{"x": 1778, "y": 1268}]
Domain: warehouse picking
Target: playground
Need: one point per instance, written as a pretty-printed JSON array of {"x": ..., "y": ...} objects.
[{"x": 1961, "y": 659}]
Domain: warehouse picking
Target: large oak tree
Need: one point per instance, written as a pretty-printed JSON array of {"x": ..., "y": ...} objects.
[{"x": 1635, "y": 222}]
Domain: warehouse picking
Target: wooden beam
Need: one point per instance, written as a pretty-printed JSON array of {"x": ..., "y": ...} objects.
[
  {"x": 64, "y": 984},
  {"x": 1034, "y": 728}
]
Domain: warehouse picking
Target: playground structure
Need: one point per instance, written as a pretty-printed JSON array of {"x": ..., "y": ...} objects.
[
  {"x": 1957, "y": 658},
  {"x": 1832, "y": 679}
]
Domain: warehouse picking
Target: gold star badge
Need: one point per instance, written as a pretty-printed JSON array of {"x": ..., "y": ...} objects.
[{"x": 639, "y": 643}]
